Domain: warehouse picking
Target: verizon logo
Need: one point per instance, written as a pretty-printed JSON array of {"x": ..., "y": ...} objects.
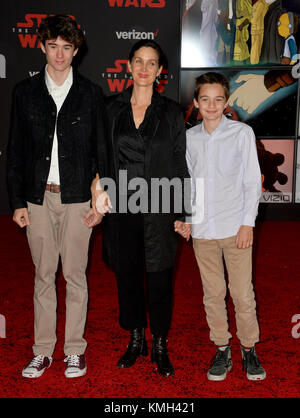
[{"x": 136, "y": 35}]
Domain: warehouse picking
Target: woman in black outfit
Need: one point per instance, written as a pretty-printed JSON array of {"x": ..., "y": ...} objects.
[{"x": 147, "y": 139}]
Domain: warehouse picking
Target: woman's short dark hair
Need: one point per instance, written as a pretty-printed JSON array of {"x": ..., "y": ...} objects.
[
  {"x": 150, "y": 44},
  {"x": 60, "y": 25},
  {"x": 212, "y": 78}
]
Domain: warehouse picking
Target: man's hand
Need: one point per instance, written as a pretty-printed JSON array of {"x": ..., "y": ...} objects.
[
  {"x": 92, "y": 218},
  {"x": 21, "y": 217},
  {"x": 244, "y": 238},
  {"x": 183, "y": 229}
]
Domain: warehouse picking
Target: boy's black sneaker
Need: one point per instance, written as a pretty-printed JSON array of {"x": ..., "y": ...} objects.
[
  {"x": 221, "y": 363},
  {"x": 252, "y": 365}
]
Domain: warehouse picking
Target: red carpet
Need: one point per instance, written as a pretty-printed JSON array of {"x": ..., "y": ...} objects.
[{"x": 277, "y": 271}]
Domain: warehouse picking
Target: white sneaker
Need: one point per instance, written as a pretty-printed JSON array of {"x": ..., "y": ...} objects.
[
  {"x": 37, "y": 366},
  {"x": 76, "y": 365}
]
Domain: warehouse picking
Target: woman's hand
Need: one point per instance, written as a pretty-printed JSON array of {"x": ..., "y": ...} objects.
[
  {"x": 183, "y": 229},
  {"x": 100, "y": 200}
]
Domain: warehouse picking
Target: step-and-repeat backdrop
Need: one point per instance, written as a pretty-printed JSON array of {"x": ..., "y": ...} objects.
[{"x": 111, "y": 27}]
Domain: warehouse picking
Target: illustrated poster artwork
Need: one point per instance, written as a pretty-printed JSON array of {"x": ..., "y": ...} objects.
[
  {"x": 276, "y": 159},
  {"x": 239, "y": 32},
  {"x": 264, "y": 99}
]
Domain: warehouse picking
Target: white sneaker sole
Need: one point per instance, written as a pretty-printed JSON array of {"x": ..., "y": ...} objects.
[
  {"x": 256, "y": 377},
  {"x": 219, "y": 378},
  {"x": 79, "y": 373},
  {"x": 33, "y": 375}
]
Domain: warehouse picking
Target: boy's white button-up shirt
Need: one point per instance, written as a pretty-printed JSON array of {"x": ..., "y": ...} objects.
[
  {"x": 227, "y": 162},
  {"x": 59, "y": 94}
]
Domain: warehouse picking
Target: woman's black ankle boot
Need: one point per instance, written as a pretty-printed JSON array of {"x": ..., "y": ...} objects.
[
  {"x": 137, "y": 347},
  {"x": 160, "y": 356}
]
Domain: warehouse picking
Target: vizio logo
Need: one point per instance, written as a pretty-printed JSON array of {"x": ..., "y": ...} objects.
[{"x": 2, "y": 66}]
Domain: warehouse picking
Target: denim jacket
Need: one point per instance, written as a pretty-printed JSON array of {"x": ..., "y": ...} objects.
[{"x": 81, "y": 140}]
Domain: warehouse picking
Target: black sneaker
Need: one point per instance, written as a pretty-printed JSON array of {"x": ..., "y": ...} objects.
[
  {"x": 221, "y": 363},
  {"x": 252, "y": 365}
]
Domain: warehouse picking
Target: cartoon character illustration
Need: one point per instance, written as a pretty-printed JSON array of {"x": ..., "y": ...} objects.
[
  {"x": 259, "y": 10},
  {"x": 250, "y": 90},
  {"x": 257, "y": 88},
  {"x": 238, "y": 32},
  {"x": 208, "y": 31},
  {"x": 287, "y": 27},
  {"x": 272, "y": 41},
  {"x": 226, "y": 31},
  {"x": 269, "y": 164},
  {"x": 243, "y": 19}
]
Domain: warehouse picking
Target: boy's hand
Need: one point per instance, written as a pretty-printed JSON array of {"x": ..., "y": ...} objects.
[
  {"x": 21, "y": 217},
  {"x": 244, "y": 238},
  {"x": 183, "y": 229}
]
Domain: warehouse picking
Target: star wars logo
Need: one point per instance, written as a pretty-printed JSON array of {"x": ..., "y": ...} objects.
[
  {"x": 137, "y": 3},
  {"x": 118, "y": 77},
  {"x": 27, "y": 31},
  {"x": 2, "y": 66}
]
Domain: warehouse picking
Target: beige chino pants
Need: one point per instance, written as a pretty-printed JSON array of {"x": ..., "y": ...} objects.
[
  {"x": 55, "y": 230},
  {"x": 209, "y": 255}
]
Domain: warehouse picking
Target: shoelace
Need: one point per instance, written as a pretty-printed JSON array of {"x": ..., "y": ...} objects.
[
  {"x": 37, "y": 361},
  {"x": 251, "y": 358},
  {"x": 219, "y": 359},
  {"x": 72, "y": 360}
]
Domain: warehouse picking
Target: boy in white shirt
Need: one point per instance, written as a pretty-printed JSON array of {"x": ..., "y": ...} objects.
[{"x": 223, "y": 153}]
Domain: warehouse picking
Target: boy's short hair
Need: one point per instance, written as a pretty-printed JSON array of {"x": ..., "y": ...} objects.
[
  {"x": 60, "y": 25},
  {"x": 212, "y": 78}
]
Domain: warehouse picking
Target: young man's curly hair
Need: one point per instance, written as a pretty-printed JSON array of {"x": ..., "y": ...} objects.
[{"x": 62, "y": 26}]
